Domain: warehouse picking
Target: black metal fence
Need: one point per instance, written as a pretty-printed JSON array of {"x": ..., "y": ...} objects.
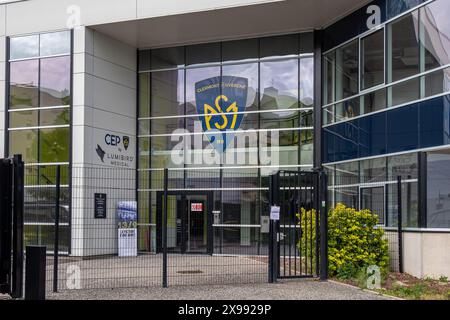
[
  {"x": 393, "y": 199},
  {"x": 186, "y": 226},
  {"x": 208, "y": 222}
]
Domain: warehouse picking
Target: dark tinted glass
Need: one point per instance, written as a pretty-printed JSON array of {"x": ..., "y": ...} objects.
[
  {"x": 203, "y": 53},
  {"x": 165, "y": 58},
  {"x": 374, "y": 101},
  {"x": 347, "y": 74},
  {"x": 55, "y": 82},
  {"x": 144, "y": 95},
  {"x": 329, "y": 61},
  {"x": 24, "y": 77},
  {"x": 279, "y": 46},
  {"x": 144, "y": 60},
  {"x": 437, "y": 82},
  {"x": 240, "y": 50},
  {"x": 372, "y": 60},
  {"x": 403, "y": 129},
  {"x": 433, "y": 122},
  {"x": 404, "y": 60},
  {"x": 167, "y": 93},
  {"x": 372, "y": 135},
  {"x": 405, "y": 92},
  {"x": 348, "y": 109}
]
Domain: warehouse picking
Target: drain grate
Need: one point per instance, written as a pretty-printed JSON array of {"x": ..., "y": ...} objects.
[{"x": 190, "y": 272}]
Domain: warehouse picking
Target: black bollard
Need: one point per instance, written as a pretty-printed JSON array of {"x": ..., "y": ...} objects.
[{"x": 35, "y": 273}]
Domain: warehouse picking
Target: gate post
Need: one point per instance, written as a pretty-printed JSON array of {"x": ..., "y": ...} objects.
[
  {"x": 399, "y": 224},
  {"x": 164, "y": 228},
  {"x": 56, "y": 247},
  {"x": 274, "y": 197},
  {"x": 17, "y": 241},
  {"x": 323, "y": 198}
]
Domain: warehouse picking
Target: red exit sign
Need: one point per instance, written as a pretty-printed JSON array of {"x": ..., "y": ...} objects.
[{"x": 196, "y": 207}]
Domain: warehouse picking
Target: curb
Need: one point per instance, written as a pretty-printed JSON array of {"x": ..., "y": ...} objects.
[{"x": 366, "y": 290}]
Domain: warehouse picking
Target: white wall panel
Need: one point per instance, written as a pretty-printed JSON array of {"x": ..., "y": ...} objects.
[
  {"x": 32, "y": 14},
  {"x": 154, "y": 8}
]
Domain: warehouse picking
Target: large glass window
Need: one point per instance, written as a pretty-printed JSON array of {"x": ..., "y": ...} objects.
[
  {"x": 403, "y": 54},
  {"x": 436, "y": 35},
  {"x": 411, "y": 44},
  {"x": 23, "y": 90},
  {"x": 24, "y": 47},
  {"x": 438, "y": 189},
  {"x": 279, "y": 84},
  {"x": 347, "y": 70},
  {"x": 372, "y": 60},
  {"x": 167, "y": 98},
  {"x": 55, "y": 82},
  {"x": 273, "y": 124},
  {"x": 39, "y": 129}
]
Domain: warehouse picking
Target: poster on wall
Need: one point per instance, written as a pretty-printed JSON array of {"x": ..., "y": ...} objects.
[{"x": 127, "y": 228}]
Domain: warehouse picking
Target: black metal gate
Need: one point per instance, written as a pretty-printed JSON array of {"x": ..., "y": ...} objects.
[
  {"x": 298, "y": 241},
  {"x": 11, "y": 226}
]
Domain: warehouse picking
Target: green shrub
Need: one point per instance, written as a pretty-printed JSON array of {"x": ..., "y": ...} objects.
[{"x": 354, "y": 242}]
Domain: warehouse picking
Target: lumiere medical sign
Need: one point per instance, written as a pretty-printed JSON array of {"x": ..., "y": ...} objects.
[{"x": 114, "y": 149}]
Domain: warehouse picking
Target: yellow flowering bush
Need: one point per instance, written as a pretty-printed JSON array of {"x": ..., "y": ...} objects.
[{"x": 354, "y": 242}]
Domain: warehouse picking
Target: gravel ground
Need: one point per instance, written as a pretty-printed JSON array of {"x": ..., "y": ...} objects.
[{"x": 283, "y": 290}]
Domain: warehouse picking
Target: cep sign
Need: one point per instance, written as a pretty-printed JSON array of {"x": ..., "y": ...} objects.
[{"x": 112, "y": 140}]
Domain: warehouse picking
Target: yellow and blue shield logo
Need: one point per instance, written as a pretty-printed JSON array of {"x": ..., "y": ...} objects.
[{"x": 220, "y": 103}]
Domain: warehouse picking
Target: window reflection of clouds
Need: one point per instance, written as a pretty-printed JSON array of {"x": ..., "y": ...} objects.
[
  {"x": 55, "y": 43},
  {"x": 55, "y": 76},
  {"x": 248, "y": 71},
  {"x": 279, "y": 84},
  {"x": 24, "y": 47},
  {"x": 195, "y": 75},
  {"x": 307, "y": 81}
]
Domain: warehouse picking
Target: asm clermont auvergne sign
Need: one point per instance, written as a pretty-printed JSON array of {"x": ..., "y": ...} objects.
[{"x": 220, "y": 103}]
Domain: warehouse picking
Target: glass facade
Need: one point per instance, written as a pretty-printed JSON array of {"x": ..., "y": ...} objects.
[
  {"x": 39, "y": 128},
  {"x": 400, "y": 62},
  {"x": 275, "y": 112},
  {"x": 372, "y": 184},
  {"x": 380, "y": 130}
]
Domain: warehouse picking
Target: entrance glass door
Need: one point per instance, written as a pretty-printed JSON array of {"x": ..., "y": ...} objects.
[
  {"x": 196, "y": 224},
  {"x": 189, "y": 226}
]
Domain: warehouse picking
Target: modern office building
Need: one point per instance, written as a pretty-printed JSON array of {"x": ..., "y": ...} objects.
[{"x": 223, "y": 93}]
